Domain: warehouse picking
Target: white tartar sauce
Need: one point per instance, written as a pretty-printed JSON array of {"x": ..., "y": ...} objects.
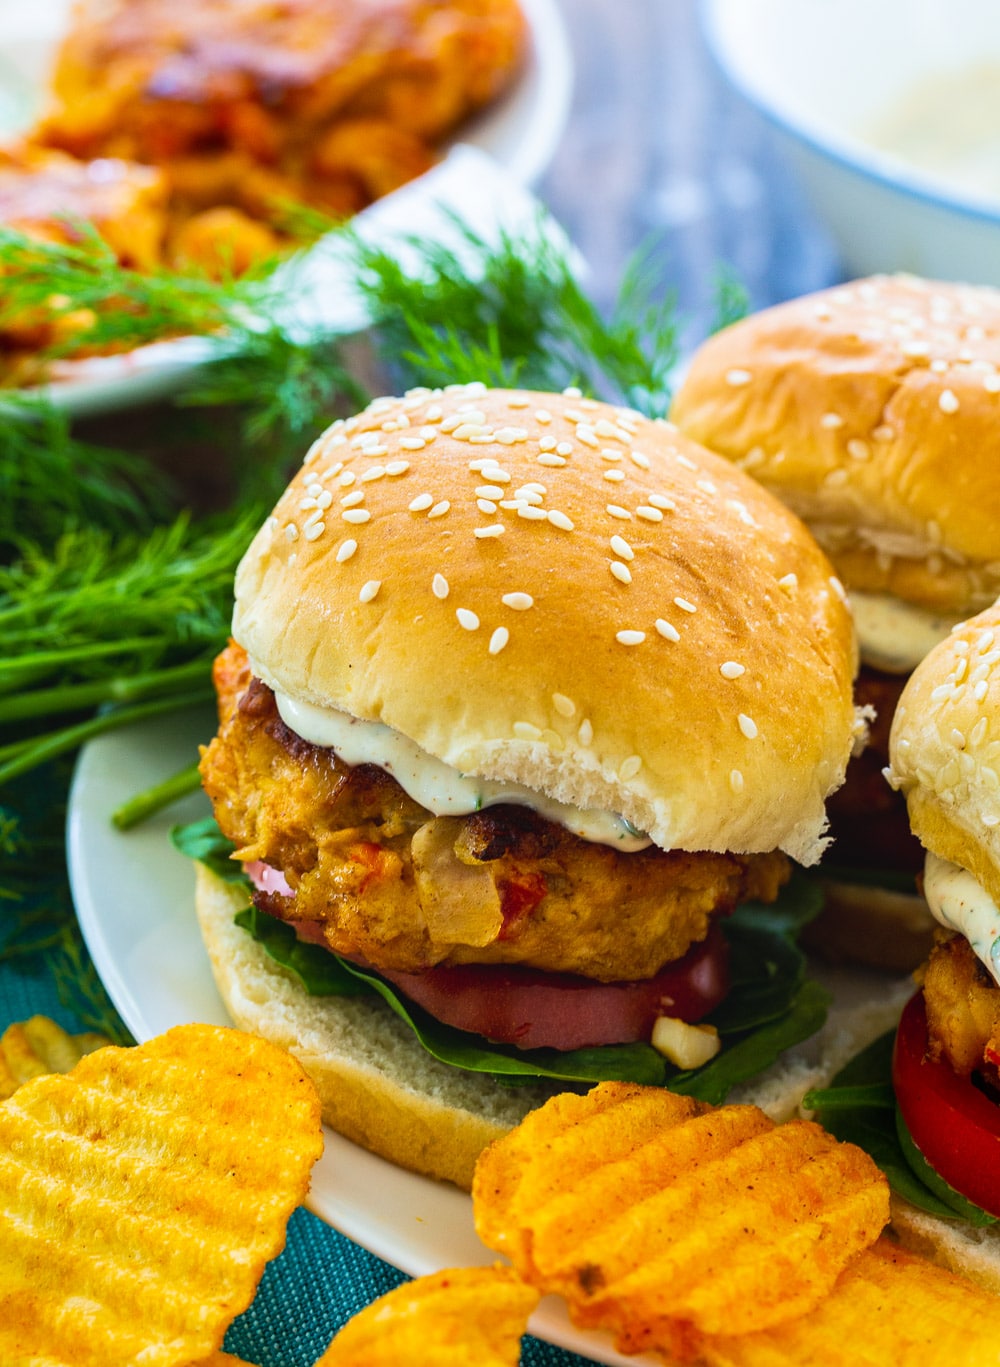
[
  {"x": 895, "y": 636},
  {"x": 961, "y": 903},
  {"x": 436, "y": 785}
]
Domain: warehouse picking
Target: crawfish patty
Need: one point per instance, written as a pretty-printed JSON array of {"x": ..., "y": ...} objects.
[{"x": 373, "y": 874}]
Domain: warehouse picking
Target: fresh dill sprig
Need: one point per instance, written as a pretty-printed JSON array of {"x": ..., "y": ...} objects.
[
  {"x": 516, "y": 313},
  {"x": 93, "y": 302}
]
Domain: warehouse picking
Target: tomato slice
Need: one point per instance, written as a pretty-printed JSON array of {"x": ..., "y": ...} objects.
[
  {"x": 534, "y": 1009},
  {"x": 955, "y": 1127}
]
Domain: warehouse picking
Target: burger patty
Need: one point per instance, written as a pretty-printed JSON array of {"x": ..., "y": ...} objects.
[
  {"x": 963, "y": 1008},
  {"x": 868, "y": 820},
  {"x": 386, "y": 880}
]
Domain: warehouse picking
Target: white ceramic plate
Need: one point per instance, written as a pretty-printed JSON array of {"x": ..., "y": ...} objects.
[
  {"x": 135, "y": 898},
  {"x": 516, "y": 139}
]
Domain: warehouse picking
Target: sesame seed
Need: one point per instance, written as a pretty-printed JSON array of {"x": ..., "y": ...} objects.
[
  {"x": 291, "y": 532},
  {"x": 831, "y": 421},
  {"x": 530, "y": 513},
  {"x": 650, "y": 514},
  {"x": 838, "y": 589},
  {"x": 397, "y": 467},
  {"x": 527, "y": 494},
  {"x": 860, "y": 450},
  {"x": 748, "y": 726},
  {"x": 533, "y": 487},
  {"x": 356, "y": 515},
  {"x": 520, "y": 602},
  {"x": 666, "y": 630},
  {"x": 439, "y": 586},
  {"x": 621, "y": 547},
  {"x": 486, "y": 505},
  {"x": 524, "y": 730},
  {"x": 510, "y": 436},
  {"x": 333, "y": 470},
  {"x": 498, "y": 640},
  {"x": 621, "y": 572},
  {"x": 346, "y": 478},
  {"x": 706, "y": 486},
  {"x": 617, "y": 511},
  {"x": 518, "y": 401},
  {"x": 609, "y": 454},
  {"x": 495, "y": 473},
  {"x": 948, "y": 401},
  {"x": 684, "y": 605},
  {"x": 421, "y": 503},
  {"x": 661, "y": 501},
  {"x": 434, "y": 414},
  {"x": 374, "y": 449},
  {"x": 835, "y": 477},
  {"x": 629, "y": 767},
  {"x": 352, "y": 500},
  {"x": 614, "y": 476},
  {"x": 736, "y": 780},
  {"x": 369, "y": 590},
  {"x": 543, "y": 416},
  {"x": 439, "y": 509},
  {"x": 683, "y": 460},
  {"x": 560, "y": 520},
  {"x": 566, "y": 707},
  {"x": 939, "y": 367},
  {"x": 738, "y": 377},
  {"x": 883, "y": 432},
  {"x": 494, "y": 529},
  {"x": 639, "y": 459},
  {"x": 630, "y": 638},
  {"x": 564, "y": 448},
  {"x": 587, "y": 435},
  {"x": 788, "y": 582},
  {"x": 585, "y": 734},
  {"x": 345, "y": 550},
  {"x": 991, "y": 383},
  {"x": 548, "y": 458},
  {"x": 314, "y": 531},
  {"x": 375, "y": 472},
  {"x": 732, "y": 670},
  {"x": 572, "y": 392},
  {"x": 489, "y": 491},
  {"x": 467, "y": 619}
]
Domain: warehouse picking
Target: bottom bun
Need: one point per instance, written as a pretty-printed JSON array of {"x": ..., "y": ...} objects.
[
  {"x": 877, "y": 927},
  {"x": 377, "y": 1085},
  {"x": 974, "y": 1253}
]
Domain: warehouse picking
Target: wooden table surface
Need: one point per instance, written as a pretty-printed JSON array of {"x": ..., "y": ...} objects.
[{"x": 660, "y": 151}]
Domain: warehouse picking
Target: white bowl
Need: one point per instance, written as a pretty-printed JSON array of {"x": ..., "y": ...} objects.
[{"x": 830, "y": 75}]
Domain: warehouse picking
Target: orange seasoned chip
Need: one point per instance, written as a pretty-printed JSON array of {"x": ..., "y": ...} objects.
[
  {"x": 888, "y": 1306},
  {"x": 661, "y": 1218},
  {"x": 142, "y": 1194},
  {"x": 33, "y": 1047},
  {"x": 465, "y": 1317}
]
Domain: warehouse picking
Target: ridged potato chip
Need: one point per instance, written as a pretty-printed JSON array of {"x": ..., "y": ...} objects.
[
  {"x": 661, "y": 1219},
  {"x": 889, "y": 1306},
  {"x": 142, "y": 1194},
  {"x": 465, "y": 1317},
  {"x": 37, "y": 1046}
]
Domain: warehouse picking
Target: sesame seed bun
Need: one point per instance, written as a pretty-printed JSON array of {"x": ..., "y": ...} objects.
[
  {"x": 543, "y": 589},
  {"x": 945, "y": 753},
  {"x": 871, "y": 410}
]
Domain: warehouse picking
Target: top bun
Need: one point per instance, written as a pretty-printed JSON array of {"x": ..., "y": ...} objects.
[
  {"x": 871, "y": 410},
  {"x": 548, "y": 590},
  {"x": 944, "y": 749}
]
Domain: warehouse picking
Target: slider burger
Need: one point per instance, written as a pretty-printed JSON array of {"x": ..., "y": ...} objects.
[
  {"x": 872, "y": 411},
  {"x": 945, "y": 758},
  {"x": 525, "y": 692}
]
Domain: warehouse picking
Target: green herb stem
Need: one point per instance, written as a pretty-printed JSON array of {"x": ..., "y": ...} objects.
[
  {"x": 153, "y": 800},
  {"x": 76, "y": 697},
  {"x": 47, "y": 747}
]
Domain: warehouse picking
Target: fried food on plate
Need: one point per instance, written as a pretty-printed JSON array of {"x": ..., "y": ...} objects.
[
  {"x": 142, "y": 1194},
  {"x": 465, "y": 1317},
  {"x": 327, "y": 102},
  {"x": 889, "y": 1306},
  {"x": 37, "y": 1046},
  {"x": 662, "y": 1219}
]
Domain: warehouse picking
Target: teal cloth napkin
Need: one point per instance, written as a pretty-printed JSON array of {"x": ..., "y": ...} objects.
[{"x": 317, "y": 1283}]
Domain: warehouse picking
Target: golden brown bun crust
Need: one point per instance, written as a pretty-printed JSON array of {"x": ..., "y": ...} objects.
[
  {"x": 376, "y": 1084},
  {"x": 553, "y": 695},
  {"x": 872, "y": 410},
  {"x": 944, "y": 749}
]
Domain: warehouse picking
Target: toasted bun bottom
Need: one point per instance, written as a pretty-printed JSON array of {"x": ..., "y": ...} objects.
[{"x": 377, "y": 1085}]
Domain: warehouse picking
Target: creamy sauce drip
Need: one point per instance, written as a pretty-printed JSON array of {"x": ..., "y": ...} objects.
[
  {"x": 895, "y": 636},
  {"x": 961, "y": 903},
  {"x": 436, "y": 785}
]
